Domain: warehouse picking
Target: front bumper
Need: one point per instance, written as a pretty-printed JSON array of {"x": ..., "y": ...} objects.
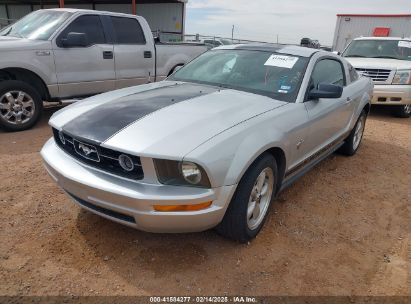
[
  {"x": 391, "y": 94},
  {"x": 131, "y": 203}
]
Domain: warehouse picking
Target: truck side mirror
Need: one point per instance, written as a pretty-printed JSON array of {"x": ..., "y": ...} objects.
[
  {"x": 75, "y": 40},
  {"x": 325, "y": 90}
]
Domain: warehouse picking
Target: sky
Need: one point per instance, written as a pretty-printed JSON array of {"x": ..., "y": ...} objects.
[{"x": 291, "y": 20}]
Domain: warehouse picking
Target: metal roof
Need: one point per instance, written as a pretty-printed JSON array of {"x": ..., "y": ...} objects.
[
  {"x": 374, "y": 15},
  {"x": 71, "y": 2},
  {"x": 382, "y": 38}
]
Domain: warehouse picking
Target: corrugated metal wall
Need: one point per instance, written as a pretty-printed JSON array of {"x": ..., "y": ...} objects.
[
  {"x": 350, "y": 27},
  {"x": 118, "y": 8},
  {"x": 3, "y": 16},
  {"x": 18, "y": 11},
  {"x": 166, "y": 17}
]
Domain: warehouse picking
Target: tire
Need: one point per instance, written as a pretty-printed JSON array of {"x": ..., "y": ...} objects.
[
  {"x": 403, "y": 111},
  {"x": 19, "y": 101},
  {"x": 353, "y": 141},
  {"x": 237, "y": 223}
]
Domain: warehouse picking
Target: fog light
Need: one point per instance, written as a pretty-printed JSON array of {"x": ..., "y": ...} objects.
[
  {"x": 177, "y": 208},
  {"x": 126, "y": 162}
]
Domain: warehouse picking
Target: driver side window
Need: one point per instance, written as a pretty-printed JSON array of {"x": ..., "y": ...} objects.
[
  {"x": 328, "y": 71},
  {"x": 88, "y": 24}
]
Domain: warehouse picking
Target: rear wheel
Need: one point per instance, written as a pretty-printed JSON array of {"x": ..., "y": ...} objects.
[
  {"x": 353, "y": 141},
  {"x": 20, "y": 105},
  {"x": 403, "y": 111},
  {"x": 248, "y": 209}
]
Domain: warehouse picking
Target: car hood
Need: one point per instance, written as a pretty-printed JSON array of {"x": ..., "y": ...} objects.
[
  {"x": 8, "y": 43},
  {"x": 379, "y": 63},
  {"x": 164, "y": 120}
]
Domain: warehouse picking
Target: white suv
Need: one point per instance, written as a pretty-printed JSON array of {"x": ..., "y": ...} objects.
[{"x": 387, "y": 60}]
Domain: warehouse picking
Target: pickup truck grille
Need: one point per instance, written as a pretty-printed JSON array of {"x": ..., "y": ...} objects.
[
  {"x": 106, "y": 160},
  {"x": 377, "y": 75}
]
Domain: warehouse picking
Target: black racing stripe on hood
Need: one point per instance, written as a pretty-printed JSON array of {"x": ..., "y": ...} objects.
[{"x": 100, "y": 123}]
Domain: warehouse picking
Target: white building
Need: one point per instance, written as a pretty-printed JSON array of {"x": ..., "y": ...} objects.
[
  {"x": 163, "y": 15},
  {"x": 350, "y": 26}
]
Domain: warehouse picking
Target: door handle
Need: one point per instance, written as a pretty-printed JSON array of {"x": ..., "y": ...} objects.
[
  {"x": 148, "y": 54},
  {"x": 108, "y": 55},
  {"x": 348, "y": 100}
]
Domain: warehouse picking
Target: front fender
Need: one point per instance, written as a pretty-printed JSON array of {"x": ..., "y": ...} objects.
[
  {"x": 42, "y": 66},
  {"x": 228, "y": 155}
]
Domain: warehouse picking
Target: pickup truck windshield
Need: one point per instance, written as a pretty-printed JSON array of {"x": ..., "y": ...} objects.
[
  {"x": 271, "y": 74},
  {"x": 39, "y": 25},
  {"x": 391, "y": 49}
]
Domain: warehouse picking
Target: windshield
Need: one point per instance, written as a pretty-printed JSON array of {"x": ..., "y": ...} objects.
[
  {"x": 265, "y": 73},
  {"x": 39, "y": 25},
  {"x": 392, "y": 49}
]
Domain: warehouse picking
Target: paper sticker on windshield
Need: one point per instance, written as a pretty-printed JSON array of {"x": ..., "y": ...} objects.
[
  {"x": 281, "y": 61},
  {"x": 404, "y": 44}
]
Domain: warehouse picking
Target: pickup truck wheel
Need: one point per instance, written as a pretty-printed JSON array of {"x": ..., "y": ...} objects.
[
  {"x": 353, "y": 141},
  {"x": 249, "y": 207},
  {"x": 20, "y": 105},
  {"x": 403, "y": 111}
]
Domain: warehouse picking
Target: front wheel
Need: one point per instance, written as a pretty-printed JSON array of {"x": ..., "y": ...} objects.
[
  {"x": 248, "y": 209},
  {"x": 353, "y": 141},
  {"x": 20, "y": 105},
  {"x": 403, "y": 111}
]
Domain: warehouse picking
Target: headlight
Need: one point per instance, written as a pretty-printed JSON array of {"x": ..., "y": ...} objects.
[
  {"x": 170, "y": 172},
  {"x": 402, "y": 77},
  {"x": 191, "y": 172}
]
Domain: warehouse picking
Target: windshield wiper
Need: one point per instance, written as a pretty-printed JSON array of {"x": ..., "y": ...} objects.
[
  {"x": 8, "y": 32},
  {"x": 388, "y": 57}
]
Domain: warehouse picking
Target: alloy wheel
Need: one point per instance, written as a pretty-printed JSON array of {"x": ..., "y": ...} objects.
[{"x": 16, "y": 107}]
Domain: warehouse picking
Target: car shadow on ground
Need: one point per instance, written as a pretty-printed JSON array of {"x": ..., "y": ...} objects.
[{"x": 385, "y": 114}]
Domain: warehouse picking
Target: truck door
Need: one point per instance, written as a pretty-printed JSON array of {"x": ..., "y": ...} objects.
[
  {"x": 134, "y": 52},
  {"x": 329, "y": 117},
  {"x": 86, "y": 66}
]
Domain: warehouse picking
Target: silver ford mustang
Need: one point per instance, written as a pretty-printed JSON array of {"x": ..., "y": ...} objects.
[{"x": 213, "y": 144}]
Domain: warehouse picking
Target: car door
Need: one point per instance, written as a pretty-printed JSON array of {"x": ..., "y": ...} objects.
[
  {"x": 328, "y": 116},
  {"x": 134, "y": 55},
  {"x": 84, "y": 70}
]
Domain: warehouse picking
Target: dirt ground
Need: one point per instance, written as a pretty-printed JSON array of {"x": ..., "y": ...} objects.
[{"x": 343, "y": 229}]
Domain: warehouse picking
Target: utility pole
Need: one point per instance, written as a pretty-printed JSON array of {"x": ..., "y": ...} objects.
[
  {"x": 277, "y": 38},
  {"x": 232, "y": 34}
]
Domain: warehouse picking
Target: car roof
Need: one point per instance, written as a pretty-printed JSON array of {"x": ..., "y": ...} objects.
[
  {"x": 274, "y": 48},
  {"x": 383, "y": 38},
  {"x": 88, "y": 11}
]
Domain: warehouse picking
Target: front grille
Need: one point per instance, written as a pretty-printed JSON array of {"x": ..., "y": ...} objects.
[
  {"x": 377, "y": 75},
  {"x": 111, "y": 213},
  {"x": 107, "y": 159}
]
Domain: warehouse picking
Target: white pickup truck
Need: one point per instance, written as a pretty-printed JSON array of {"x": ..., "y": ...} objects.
[
  {"x": 68, "y": 54},
  {"x": 387, "y": 60}
]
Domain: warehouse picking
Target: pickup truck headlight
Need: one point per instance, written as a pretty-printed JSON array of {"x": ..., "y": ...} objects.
[
  {"x": 402, "y": 77},
  {"x": 170, "y": 172}
]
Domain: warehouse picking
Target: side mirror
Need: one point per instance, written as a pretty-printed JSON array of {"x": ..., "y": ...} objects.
[
  {"x": 75, "y": 40},
  {"x": 325, "y": 90},
  {"x": 336, "y": 53}
]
